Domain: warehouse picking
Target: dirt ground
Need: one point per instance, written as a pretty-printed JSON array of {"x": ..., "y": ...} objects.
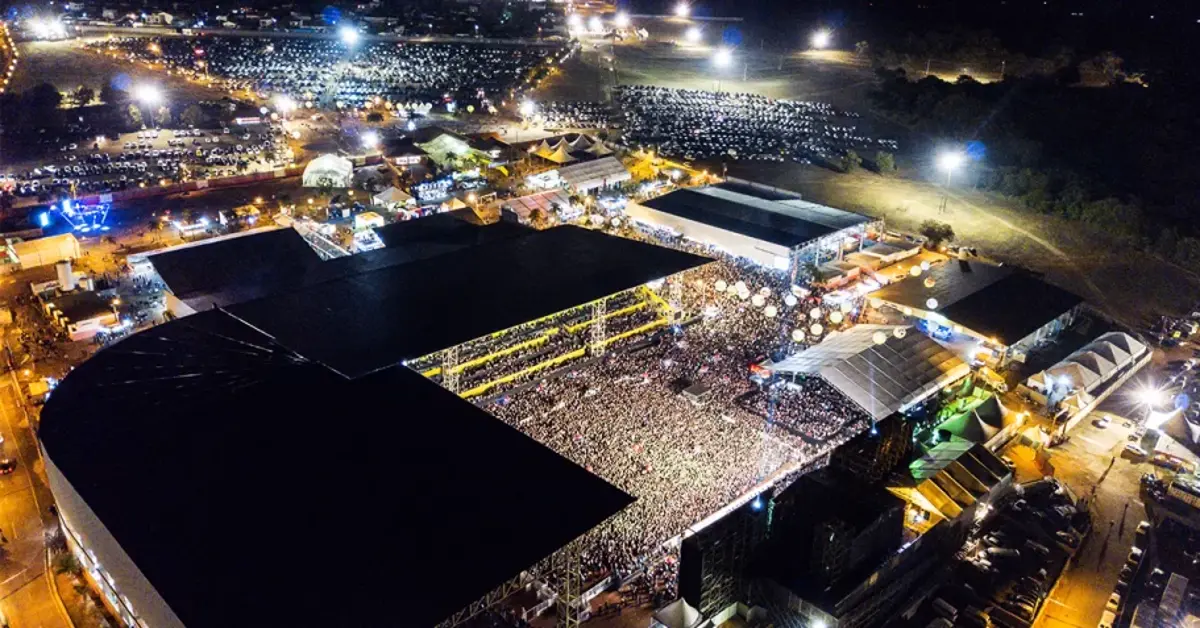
[{"x": 67, "y": 66}]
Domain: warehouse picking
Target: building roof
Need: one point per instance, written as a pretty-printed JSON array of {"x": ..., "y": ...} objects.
[
  {"x": 369, "y": 320},
  {"x": 881, "y": 378},
  {"x": 595, "y": 173},
  {"x": 758, "y": 212},
  {"x": 523, "y": 206},
  {"x": 82, "y": 306},
  {"x": 210, "y": 453},
  {"x": 329, "y": 164},
  {"x": 224, "y": 271},
  {"x": 993, "y": 301}
]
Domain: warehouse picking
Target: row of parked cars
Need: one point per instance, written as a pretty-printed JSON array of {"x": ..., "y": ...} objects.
[{"x": 1112, "y": 608}]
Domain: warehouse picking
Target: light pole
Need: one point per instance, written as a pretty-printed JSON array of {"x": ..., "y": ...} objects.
[
  {"x": 526, "y": 110},
  {"x": 683, "y": 9},
  {"x": 821, "y": 39},
  {"x": 949, "y": 162},
  {"x": 722, "y": 59},
  {"x": 150, "y": 96}
]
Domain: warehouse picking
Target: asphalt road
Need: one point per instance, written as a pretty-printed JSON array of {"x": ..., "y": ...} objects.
[{"x": 25, "y": 593}]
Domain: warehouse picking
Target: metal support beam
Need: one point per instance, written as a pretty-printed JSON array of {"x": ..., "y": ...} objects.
[
  {"x": 492, "y": 598},
  {"x": 675, "y": 296},
  {"x": 450, "y": 370},
  {"x": 599, "y": 334},
  {"x": 567, "y": 605}
]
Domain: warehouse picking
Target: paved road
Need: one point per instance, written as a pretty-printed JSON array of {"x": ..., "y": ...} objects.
[{"x": 25, "y": 594}]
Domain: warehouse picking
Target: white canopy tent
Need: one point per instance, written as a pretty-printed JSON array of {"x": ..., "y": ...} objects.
[
  {"x": 328, "y": 167},
  {"x": 881, "y": 377}
]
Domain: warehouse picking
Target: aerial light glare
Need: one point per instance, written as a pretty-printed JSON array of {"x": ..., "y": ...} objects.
[
  {"x": 770, "y": 311},
  {"x": 931, "y": 303},
  {"x": 285, "y": 104},
  {"x": 527, "y": 108},
  {"x": 693, "y": 35},
  {"x": 575, "y": 21},
  {"x": 723, "y": 57},
  {"x": 720, "y": 285},
  {"x": 790, "y": 300},
  {"x": 348, "y": 35},
  {"x": 815, "y": 314},
  {"x": 952, "y": 160},
  {"x": 622, "y": 20},
  {"x": 758, "y": 300},
  {"x": 1151, "y": 396},
  {"x": 595, "y": 25},
  {"x": 821, "y": 39},
  {"x": 683, "y": 9},
  {"x": 816, "y": 329},
  {"x": 836, "y": 317},
  {"x": 148, "y": 94},
  {"x": 900, "y": 332},
  {"x": 879, "y": 337},
  {"x": 797, "y": 335},
  {"x": 370, "y": 139}
]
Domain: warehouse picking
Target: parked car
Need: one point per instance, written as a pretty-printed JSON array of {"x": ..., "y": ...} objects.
[{"x": 7, "y": 465}]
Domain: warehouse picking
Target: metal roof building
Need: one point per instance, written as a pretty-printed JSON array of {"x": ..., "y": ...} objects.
[
  {"x": 188, "y": 458},
  {"x": 595, "y": 174},
  {"x": 767, "y": 225},
  {"x": 881, "y": 377}
]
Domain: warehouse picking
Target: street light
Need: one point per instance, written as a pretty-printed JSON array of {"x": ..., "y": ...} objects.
[
  {"x": 821, "y": 39},
  {"x": 149, "y": 95},
  {"x": 527, "y": 108},
  {"x": 284, "y": 104},
  {"x": 622, "y": 20},
  {"x": 595, "y": 25},
  {"x": 348, "y": 35},
  {"x": 575, "y": 21},
  {"x": 950, "y": 161},
  {"x": 682, "y": 9},
  {"x": 370, "y": 140},
  {"x": 693, "y": 35},
  {"x": 723, "y": 57}
]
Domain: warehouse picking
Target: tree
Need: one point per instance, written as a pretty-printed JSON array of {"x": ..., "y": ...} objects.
[
  {"x": 325, "y": 186},
  {"x": 539, "y": 218},
  {"x": 193, "y": 116},
  {"x": 110, "y": 95},
  {"x": 133, "y": 116},
  {"x": 862, "y": 49},
  {"x": 162, "y": 117},
  {"x": 885, "y": 162},
  {"x": 83, "y": 95},
  {"x": 43, "y": 98},
  {"x": 936, "y": 233},
  {"x": 66, "y": 563},
  {"x": 850, "y": 162}
]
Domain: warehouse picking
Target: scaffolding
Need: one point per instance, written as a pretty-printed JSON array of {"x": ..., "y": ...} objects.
[
  {"x": 675, "y": 296},
  {"x": 599, "y": 333},
  {"x": 450, "y": 370}
]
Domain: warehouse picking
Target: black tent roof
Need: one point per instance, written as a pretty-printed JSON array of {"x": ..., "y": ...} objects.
[
  {"x": 997, "y": 301},
  {"x": 371, "y": 320},
  {"x": 235, "y": 472},
  {"x": 251, "y": 266}
]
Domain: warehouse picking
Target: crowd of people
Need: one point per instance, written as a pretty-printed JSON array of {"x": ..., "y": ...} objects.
[
  {"x": 809, "y": 407},
  {"x": 329, "y": 71},
  {"x": 623, "y": 418},
  {"x": 695, "y": 124}
]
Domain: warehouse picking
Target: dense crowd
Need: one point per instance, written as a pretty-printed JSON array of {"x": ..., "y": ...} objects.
[
  {"x": 623, "y": 418},
  {"x": 575, "y": 115},
  {"x": 330, "y": 71},
  {"x": 808, "y": 407},
  {"x": 697, "y": 124}
]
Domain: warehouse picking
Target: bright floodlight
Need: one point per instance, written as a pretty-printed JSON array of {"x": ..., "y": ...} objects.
[
  {"x": 370, "y": 139},
  {"x": 526, "y": 108},
  {"x": 821, "y": 38},
  {"x": 575, "y": 21},
  {"x": 723, "y": 57},
  {"x": 148, "y": 94},
  {"x": 348, "y": 35},
  {"x": 682, "y": 9},
  {"x": 1151, "y": 396},
  {"x": 595, "y": 25},
  {"x": 950, "y": 161},
  {"x": 285, "y": 104},
  {"x": 693, "y": 35},
  {"x": 622, "y": 20}
]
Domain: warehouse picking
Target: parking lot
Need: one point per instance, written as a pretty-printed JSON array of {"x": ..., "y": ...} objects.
[{"x": 149, "y": 157}]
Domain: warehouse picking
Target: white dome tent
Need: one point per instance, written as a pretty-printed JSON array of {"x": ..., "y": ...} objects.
[{"x": 337, "y": 170}]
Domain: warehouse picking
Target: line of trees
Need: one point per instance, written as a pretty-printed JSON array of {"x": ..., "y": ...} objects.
[{"x": 40, "y": 109}]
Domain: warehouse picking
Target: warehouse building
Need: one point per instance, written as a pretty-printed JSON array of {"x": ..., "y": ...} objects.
[{"x": 769, "y": 226}]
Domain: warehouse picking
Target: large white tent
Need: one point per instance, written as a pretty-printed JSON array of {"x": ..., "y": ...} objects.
[
  {"x": 877, "y": 368},
  {"x": 328, "y": 167}
]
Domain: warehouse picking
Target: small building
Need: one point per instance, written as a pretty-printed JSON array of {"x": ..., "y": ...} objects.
[
  {"x": 367, "y": 220},
  {"x": 403, "y": 151},
  {"x": 44, "y": 251},
  {"x": 82, "y": 314},
  {"x": 393, "y": 198}
]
